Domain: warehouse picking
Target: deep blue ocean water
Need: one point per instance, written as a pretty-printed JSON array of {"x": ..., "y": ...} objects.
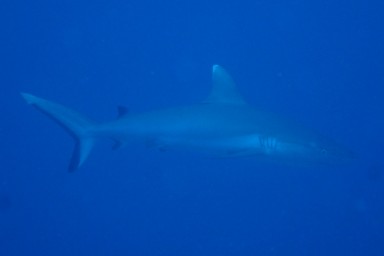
[{"x": 318, "y": 62}]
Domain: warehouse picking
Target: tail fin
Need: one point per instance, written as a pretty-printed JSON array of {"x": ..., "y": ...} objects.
[{"x": 77, "y": 126}]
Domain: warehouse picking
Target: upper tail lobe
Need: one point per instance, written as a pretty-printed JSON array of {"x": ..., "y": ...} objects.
[{"x": 79, "y": 127}]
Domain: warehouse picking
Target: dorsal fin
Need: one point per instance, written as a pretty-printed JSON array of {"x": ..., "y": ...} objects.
[
  {"x": 121, "y": 111},
  {"x": 224, "y": 90}
]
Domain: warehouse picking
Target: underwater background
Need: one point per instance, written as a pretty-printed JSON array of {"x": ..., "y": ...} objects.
[{"x": 318, "y": 62}]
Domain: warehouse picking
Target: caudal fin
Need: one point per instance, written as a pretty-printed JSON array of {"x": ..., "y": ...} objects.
[{"x": 77, "y": 126}]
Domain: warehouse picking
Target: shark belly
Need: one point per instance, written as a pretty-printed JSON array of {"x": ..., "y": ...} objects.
[{"x": 232, "y": 147}]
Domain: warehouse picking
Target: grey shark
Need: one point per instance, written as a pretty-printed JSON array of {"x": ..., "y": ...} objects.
[{"x": 223, "y": 125}]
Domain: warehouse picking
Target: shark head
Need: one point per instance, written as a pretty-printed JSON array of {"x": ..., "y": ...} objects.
[{"x": 327, "y": 150}]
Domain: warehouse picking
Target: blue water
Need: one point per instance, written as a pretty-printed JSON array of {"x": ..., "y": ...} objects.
[{"x": 317, "y": 62}]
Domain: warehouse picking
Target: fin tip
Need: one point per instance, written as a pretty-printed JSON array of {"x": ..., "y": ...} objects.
[{"x": 215, "y": 67}]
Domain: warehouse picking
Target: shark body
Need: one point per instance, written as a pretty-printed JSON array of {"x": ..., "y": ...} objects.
[{"x": 223, "y": 125}]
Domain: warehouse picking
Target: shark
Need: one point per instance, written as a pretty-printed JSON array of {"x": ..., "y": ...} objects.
[{"x": 222, "y": 125}]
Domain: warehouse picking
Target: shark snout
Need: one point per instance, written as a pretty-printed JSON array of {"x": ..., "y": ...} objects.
[{"x": 333, "y": 151}]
